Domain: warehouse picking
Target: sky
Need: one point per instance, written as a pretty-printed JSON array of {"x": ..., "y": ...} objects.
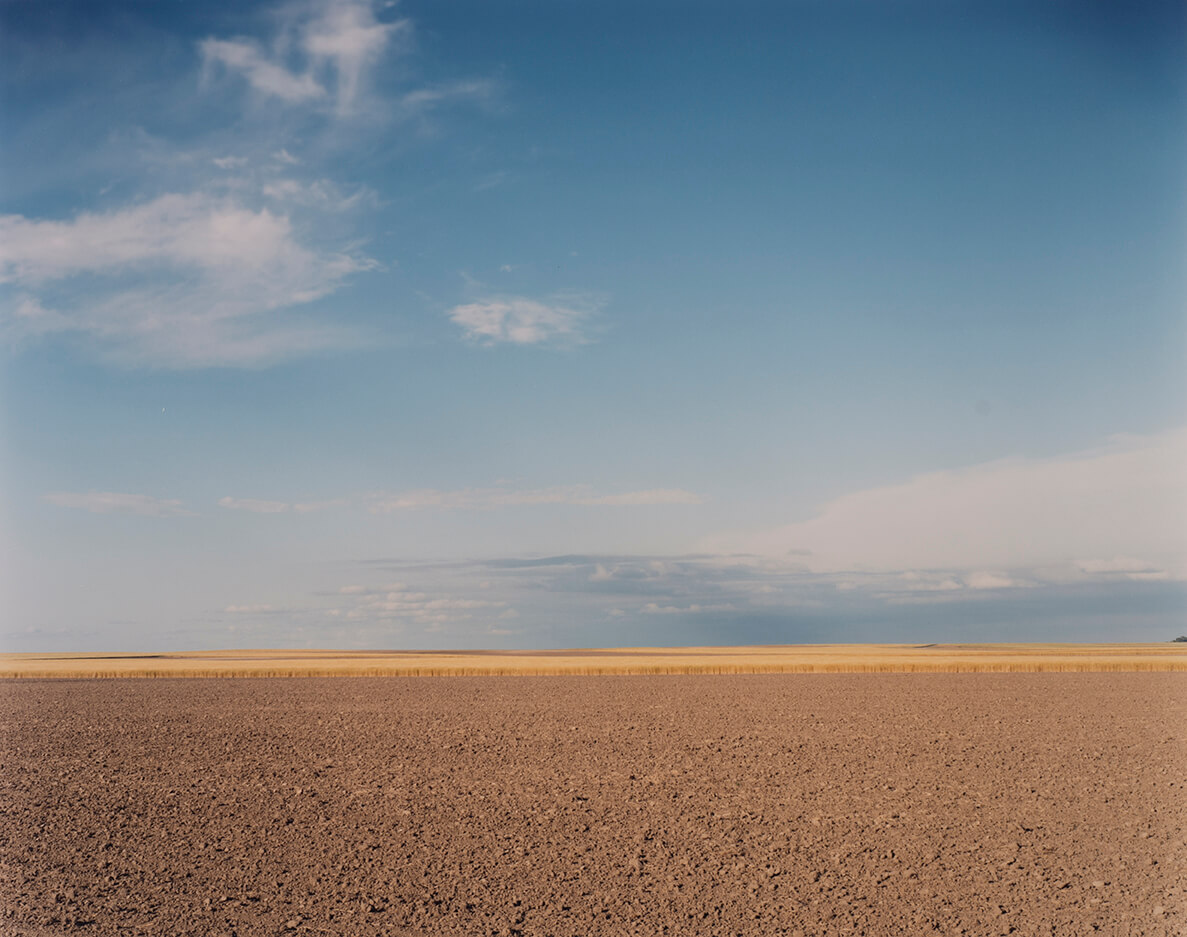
[{"x": 535, "y": 323}]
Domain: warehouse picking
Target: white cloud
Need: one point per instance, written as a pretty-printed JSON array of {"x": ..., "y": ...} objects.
[
  {"x": 1124, "y": 499},
  {"x": 257, "y": 506},
  {"x": 1153, "y": 575},
  {"x": 247, "y": 609},
  {"x": 28, "y": 317},
  {"x": 492, "y": 181},
  {"x": 653, "y": 608},
  {"x": 425, "y": 99},
  {"x": 246, "y": 57},
  {"x": 323, "y": 52},
  {"x": 639, "y": 569},
  {"x": 254, "y": 505},
  {"x": 197, "y": 279},
  {"x": 991, "y": 580},
  {"x": 1127, "y": 567},
  {"x": 308, "y": 507},
  {"x": 518, "y": 320},
  {"x": 212, "y": 277},
  {"x": 931, "y": 587},
  {"x": 321, "y": 194},
  {"x": 399, "y": 603},
  {"x": 649, "y": 496},
  {"x": 1118, "y": 564},
  {"x": 914, "y": 581},
  {"x": 349, "y": 39},
  {"x": 112, "y": 502},
  {"x": 194, "y": 231},
  {"x": 483, "y": 499}
]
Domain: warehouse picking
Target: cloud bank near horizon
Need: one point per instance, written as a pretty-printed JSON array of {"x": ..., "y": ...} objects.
[{"x": 1123, "y": 500}]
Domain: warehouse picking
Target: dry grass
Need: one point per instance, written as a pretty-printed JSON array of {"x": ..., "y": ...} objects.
[{"x": 817, "y": 658}]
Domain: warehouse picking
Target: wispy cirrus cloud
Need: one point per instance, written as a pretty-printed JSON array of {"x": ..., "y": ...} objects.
[
  {"x": 321, "y": 53},
  {"x": 194, "y": 231},
  {"x": 421, "y": 101},
  {"x": 223, "y": 243},
  {"x": 113, "y": 502},
  {"x": 325, "y": 56},
  {"x": 258, "y": 506},
  {"x": 179, "y": 281},
  {"x": 248, "y": 59},
  {"x": 485, "y": 499},
  {"x": 318, "y": 194},
  {"x": 519, "y": 320},
  {"x": 254, "y": 505},
  {"x": 654, "y": 608}
]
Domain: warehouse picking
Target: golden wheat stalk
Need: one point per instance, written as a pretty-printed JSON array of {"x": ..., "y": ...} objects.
[{"x": 789, "y": 659}]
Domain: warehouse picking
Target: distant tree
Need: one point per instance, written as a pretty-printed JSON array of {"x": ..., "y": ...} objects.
[{"x": 1182, "y": 637}]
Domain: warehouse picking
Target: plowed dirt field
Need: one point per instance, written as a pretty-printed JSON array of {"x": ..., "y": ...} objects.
[{"x": 975, "y": 804}]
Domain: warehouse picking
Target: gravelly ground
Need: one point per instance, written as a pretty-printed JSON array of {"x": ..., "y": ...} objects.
[{"x": 756, "y": 805}]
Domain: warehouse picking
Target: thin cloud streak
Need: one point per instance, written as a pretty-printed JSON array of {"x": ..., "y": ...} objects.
[
  {"x": 113, "y": 502},
  {"x": 258, "y": 506},
  {"x": 253, "y": 505},
  {"x": 423, "y": 100},
  {"x": 485, "y": 499}
]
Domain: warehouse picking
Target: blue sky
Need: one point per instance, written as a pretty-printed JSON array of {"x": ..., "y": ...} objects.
[{"x": 516, "y": 324}]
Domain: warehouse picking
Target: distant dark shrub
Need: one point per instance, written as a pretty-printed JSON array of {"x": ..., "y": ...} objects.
[{"x": 1182, "y": 637}]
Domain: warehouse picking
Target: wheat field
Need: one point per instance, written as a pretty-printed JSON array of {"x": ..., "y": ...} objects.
[{"x": 815, "y": 658}]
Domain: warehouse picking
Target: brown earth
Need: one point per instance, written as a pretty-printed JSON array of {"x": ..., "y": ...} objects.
[{"x": 757, "y": 805}]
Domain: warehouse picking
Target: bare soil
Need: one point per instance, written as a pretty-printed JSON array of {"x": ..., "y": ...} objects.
[{"x": 719, "y": 805}]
